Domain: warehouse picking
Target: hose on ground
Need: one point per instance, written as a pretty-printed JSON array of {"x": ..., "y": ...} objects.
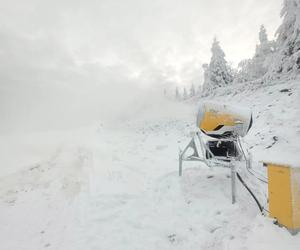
[{"x": 251, "y": 193}]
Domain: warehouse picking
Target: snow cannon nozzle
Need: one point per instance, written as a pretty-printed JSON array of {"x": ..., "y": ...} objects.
[{"x": 220, "y": 121}]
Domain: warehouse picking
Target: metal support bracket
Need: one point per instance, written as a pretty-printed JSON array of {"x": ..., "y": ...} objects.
[{"x": 211, "y": 160}]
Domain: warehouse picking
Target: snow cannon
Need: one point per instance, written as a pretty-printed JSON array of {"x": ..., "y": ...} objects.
[
  {"x": 217, "y": 143},
  {"x": 221, "y": 121}
]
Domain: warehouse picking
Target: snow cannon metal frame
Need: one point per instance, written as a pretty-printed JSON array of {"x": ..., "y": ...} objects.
[{"x": 220, "y": 130}]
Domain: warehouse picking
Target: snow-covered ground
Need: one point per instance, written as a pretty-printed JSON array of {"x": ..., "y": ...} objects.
[{"x": 116, "y": 185}]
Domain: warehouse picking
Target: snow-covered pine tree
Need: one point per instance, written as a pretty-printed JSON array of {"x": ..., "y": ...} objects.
[
  {"x": 185, "y": 95},
  {"x": 263, "y": 52},
  {"x": 244, "y": 71},
  {"x": 206, "y": 80},
  {"x": 263, "y": 37},
  {"x": 165, "y": 92},
  {"x": 218, "y": 72},
  {"x": 192, "y": 90},
  {"x": 199, "y": 90},
  {"x": 252, "y": 69},
  {"x": 288, "y": 41},
  {"x": 177, "y": 94}
]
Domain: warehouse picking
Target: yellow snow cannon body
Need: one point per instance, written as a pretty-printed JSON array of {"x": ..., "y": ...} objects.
[{"x": 220, "y": 121}]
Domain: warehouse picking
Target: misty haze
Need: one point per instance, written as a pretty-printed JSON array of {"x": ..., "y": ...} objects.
[{"x": 149, "y": 124}]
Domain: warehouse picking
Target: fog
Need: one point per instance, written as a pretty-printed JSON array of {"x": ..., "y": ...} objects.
[{"x": 69, "y": 63}]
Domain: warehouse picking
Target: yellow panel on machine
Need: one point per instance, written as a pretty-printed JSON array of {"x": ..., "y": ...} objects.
[
  {"x": 213, "y": 120},
  {"x": 223, "y": 120}
]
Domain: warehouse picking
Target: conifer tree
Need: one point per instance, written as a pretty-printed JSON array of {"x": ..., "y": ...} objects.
[
  {"x": 199, "y": 89},
  {"x": 217, "y": 73},
  {"x": 263, "y": 52},
  {"x": 177, "y": 94},
  {"x": 218, "y": 69},
  {"x": 192, "y": 90},
  {"x": 257, "y": 67},
  {"x": 185, "y": 95},
  {"x": 288, "y": 40}
]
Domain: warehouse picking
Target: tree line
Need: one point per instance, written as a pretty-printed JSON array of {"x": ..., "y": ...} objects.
[{"x": 273, "y": 59}]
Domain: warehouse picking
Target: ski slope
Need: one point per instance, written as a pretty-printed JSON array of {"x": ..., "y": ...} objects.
[{"x": 116, "y": 185}]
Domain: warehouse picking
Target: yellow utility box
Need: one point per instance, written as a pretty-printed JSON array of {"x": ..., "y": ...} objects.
[{"x": 284, "y": 195}]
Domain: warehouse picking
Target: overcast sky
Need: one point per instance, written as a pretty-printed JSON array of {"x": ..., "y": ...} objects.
[
  {"x": 63, "y": 59},
  {"x": 153, "y": 41}
]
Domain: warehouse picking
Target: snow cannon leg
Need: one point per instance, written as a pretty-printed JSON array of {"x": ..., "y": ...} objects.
[
  {"x": 233, "y": 185},
  {"x": 180, "y": 163}
]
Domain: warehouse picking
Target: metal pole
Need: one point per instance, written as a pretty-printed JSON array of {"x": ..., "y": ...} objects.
[
  {"x": 233, "y": 186},
  {"x": 180, "y": 163}
]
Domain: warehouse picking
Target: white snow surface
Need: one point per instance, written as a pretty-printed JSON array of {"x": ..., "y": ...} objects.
[{"x": 116, "y": 185}]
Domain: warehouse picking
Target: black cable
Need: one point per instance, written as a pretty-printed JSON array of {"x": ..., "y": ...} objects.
[
  {"x": 266, "y": 210},
  {"x": 247, "y": 167},
  {"x": 264, "y": 181},
  {"x": 253, "y": 196}
]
